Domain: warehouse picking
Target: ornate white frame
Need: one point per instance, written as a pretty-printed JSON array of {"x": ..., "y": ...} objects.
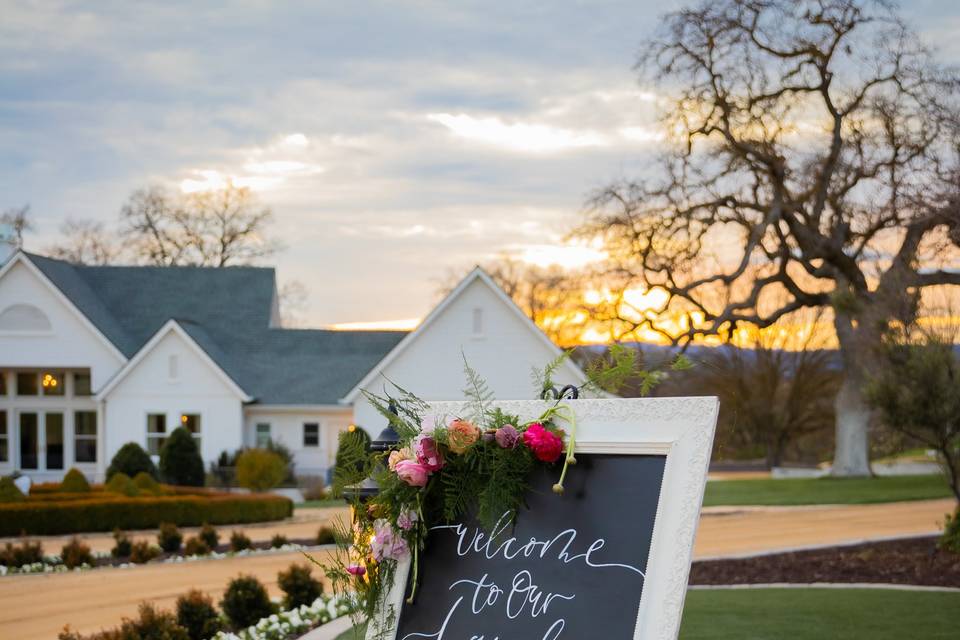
[{"x": 682, "y": 429}]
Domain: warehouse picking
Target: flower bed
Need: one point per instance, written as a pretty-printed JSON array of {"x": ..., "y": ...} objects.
[
  {"x": 292, "y": 623},
  {"x": 105, "y": 511}
]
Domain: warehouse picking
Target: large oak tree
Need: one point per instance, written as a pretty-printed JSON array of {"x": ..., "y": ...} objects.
[{"x": 812, "y": 163}]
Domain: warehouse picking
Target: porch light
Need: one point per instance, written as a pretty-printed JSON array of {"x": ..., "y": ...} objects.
[{"x": 386, "y": 441}]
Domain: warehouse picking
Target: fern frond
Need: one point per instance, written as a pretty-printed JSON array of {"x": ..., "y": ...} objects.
[{"x": 477, "y": 392}]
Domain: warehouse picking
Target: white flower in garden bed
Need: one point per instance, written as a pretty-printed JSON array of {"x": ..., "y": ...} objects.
[{"x": 292, "y": 623}]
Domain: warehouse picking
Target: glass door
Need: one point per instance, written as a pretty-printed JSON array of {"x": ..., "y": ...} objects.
[
  {"x": 29, "y": 441},
  {"x": 53, "y": 429}
]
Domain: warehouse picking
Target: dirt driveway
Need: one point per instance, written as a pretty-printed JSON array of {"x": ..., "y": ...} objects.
[{"x": 37, "y": 607}]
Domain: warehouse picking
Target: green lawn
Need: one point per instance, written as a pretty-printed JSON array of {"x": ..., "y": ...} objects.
[
  {"x": 797, "y": 491},
  {"x": 814, "y": 614}
]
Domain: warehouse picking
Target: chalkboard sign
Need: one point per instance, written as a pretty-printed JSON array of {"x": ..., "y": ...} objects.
[{"x": 609, "y": 559}]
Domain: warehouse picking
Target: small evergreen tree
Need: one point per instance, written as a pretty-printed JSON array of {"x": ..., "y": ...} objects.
[
  {"x": 180, "y": 461},
  {"x": 196, "y": 614},
  {"x": 131, "y": 459},
  {"x": 74, "y": 482},
  {"x": 245, "y": 602}
]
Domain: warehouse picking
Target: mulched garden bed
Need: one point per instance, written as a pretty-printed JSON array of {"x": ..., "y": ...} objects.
[
  {"x": 914, "y": 561},
  {"x": 221, "y": 548}
]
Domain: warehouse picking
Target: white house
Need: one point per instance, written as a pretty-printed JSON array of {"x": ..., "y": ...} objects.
[{"x": 93, "y": 357}]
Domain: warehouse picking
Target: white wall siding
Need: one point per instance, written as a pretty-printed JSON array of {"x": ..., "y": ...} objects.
[
  {"x": 286, "y": 427},
  {"x": 196, "y": 389},
  {"x": 497, "y": 342}
]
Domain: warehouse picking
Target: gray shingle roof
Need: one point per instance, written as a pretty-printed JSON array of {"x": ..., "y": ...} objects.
[{"x": 227, "y": 312}]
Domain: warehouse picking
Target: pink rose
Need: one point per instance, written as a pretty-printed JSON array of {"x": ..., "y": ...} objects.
[
  {"x": 427, "y": 452},
  {"x": 397, "y": 456},
  {"x": 413, "y": 473},
  {"x": 387, "y": 543},
  {"x": 407, "y": 519},
  {"x": 546, "y": 445},
  {"x": 461, "y": 435}
]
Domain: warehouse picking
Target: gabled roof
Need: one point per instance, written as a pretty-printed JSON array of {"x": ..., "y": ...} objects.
[
  {"x": 227, "y": 313},
  {"x": 477, "y": 274}
]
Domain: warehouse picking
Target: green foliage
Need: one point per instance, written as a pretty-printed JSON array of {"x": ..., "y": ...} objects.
[
  {"x": 197, "y": 614},
  {"x": 196, "y": 547},
  {"x": 239, "y": 541},
  {"x": 245, "y": 602},
  {"x": 353, "y": 463},
  {"x": 75, "y": 553},
  {"x": 9, "y": 492},
  {"x": 150, "y": 625},
  {"x": 260, "y": 470},
  {"x": 142, "y": 552},
  {"x": 131, "y": 459},
  {"x": 326, "y": 535},
  {"x": 299, "y": 587},
  {"x": 169, "y": 537},
  {"x": 623, "y": 366},
  {"x": 180, "y": 461},
  {"x": 145, "y": 484},
  {"x": 543, "y": 378},
  {"x": 950, "y": 540},
  {"x": 26, "y": 552},
  {"x": 278, "y": 540},
  {"x": 122, "y": 484},
  {"x": 282, "y": 450},
  {"x": 477, "y": 392},
  {"x": 209, "y": 535},
  {"x": 121, "y": 545},
  {"x": 75, "y": 482},
  {"x": 104, "y": 513},
  {"x": 917, "y": 393}
]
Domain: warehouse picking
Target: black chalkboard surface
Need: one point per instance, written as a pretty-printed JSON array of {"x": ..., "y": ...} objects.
[{"x": 572, "y": 567}]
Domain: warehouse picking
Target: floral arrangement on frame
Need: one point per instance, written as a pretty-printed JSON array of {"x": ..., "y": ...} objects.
[{"x": 445, "y": 468}]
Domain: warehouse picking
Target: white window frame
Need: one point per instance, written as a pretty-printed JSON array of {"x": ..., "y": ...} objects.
[
  {"x": 153, "y": 435},
  {"x": 256, "y": 434},
  {"x": 317, "y": 443},
  {"x": 5, "y": 435},
  {"x": 77, "y": 436}
]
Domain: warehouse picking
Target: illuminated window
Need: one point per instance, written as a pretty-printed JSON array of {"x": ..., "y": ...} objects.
[
  {"x": 52, "y": 383},
  {"x": 263, "y": 434},
  {"x": 4, "y": 438},
  {"x": 81, "y": 384},
  {"x": 27, "y": 384},
  {"x": 191, "y": 421},
  {"x": 311, "y": 434},
  {"x": 156, "y": 432},
  {"x": 85, "y": 436}
]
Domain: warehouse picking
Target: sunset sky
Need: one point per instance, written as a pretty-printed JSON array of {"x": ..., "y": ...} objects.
[{"x": 395, "y": 141}]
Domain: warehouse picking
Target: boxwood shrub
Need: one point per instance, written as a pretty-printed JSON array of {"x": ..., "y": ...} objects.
[{"x": 107, "y": 511}]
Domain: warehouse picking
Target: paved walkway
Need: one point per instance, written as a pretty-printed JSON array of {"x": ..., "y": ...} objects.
[{"x": 37, "y": 607}]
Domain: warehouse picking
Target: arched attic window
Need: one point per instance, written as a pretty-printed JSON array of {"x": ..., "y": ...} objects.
[{"x": 24, "y": 318}]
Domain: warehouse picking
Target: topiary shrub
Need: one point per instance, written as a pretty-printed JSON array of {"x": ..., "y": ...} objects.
[
  {"x": 196, "y": 614},
  {"x": 239, "y": 541},
  {"x": 245, "y": 602},
  {"x": 26, "y": 552},
  {"x": 122, "y": 484},
  {"x": 299, "y": 586},
  {"x": 75, "y": 554},
  {"x": 131, "y": 459},
  {"x": 950, "y": 540},
  {"x": 9, "y": 492},
  {"x": 278, "y": 541},
  {"x": 196, "y": 547},
  {"x": 209, "y": 535},
  {"x": 145, "y": 484},
  {"x": 142, "y": 552},
  {"x": 180, "y": 461},
  {"x": 75, "y": 482},
  {"x": 121, "y": 545},
  {"x": 259, "y": 469},
  {"x": 326, "y": 535},
  {"x": 169, "y": 537}
]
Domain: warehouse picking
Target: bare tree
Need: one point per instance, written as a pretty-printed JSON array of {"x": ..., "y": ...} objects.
[
  {"x": 86, "y": 242},
  {"x": 814, "y": 155},
  {"x": 18, "y": 219},
  {"x": 211, "y": 228},
  {"x": 292, "y": 299}
]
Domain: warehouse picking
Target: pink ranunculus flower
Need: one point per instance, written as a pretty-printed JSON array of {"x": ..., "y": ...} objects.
[
  {"x": 397, "y": 456},
  {"x": 407, "y": 519},
  {"x": 507, "y": 436},
  {"x": 356, "y": 570},
  {"x": 427, "y": 452},
  {"x": 387, "y": 543},
  {"x": 546, "y": 445},
  {"x": 461, "y": 435},
  {"x": 412, "y": 472}
]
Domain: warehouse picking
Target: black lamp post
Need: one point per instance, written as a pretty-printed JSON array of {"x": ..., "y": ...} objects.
[{"x": 386, "y": 441}]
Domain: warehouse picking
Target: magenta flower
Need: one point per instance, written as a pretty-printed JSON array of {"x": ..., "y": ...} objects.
[
  {"x": 546, "y": 445},
  {"x": 356, "y": 570},
  {"x": 507, "y": 436},
  {"x": 413, "y": 473},
  {"x": 427, "y": 452}
]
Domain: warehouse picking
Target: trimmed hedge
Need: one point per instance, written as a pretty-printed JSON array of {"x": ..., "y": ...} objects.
[{"x": 109, "y": 511}]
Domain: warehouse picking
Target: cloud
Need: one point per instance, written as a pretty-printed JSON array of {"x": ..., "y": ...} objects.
[{"x": 517, "y": 136}]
